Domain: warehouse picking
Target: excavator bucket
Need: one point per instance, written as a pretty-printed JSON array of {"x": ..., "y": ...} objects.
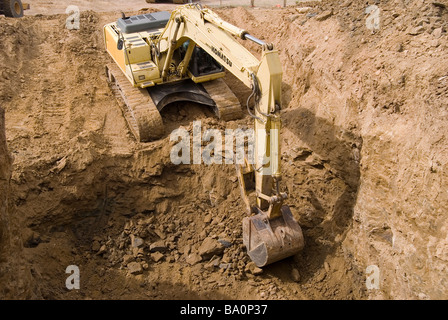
[{"x": 271, "y": 240}]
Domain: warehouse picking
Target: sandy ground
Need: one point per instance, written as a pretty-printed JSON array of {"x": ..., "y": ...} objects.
[
  {"x": 59, "y": 7},
  {"x": 83, "y": 190}
]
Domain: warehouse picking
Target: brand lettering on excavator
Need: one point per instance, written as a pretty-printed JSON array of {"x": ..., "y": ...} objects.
[{"x": 221, "y": 55}]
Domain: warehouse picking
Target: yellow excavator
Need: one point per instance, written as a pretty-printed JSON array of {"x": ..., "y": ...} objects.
[{"x": 164, "y": 57}]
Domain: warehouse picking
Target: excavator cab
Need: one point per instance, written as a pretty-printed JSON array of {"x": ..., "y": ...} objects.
[{"x": 201, "y": 63}]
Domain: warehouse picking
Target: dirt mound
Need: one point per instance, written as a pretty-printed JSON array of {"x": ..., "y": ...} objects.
[{"x": 363, "y": 159}]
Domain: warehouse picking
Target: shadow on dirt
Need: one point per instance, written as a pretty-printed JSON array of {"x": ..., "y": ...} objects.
[{"x": 331, "y": 192}]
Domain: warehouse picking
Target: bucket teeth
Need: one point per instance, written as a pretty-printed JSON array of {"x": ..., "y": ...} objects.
[{"x": 271, "y": 240}]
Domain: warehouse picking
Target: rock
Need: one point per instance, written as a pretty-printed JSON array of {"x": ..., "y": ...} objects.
[
  {"x": 187, "y": 249},
  {"x": 193, "y": 259},
  {"x": 422, "y": 296},
  {"x": 434, "y": 43},
  {"x": 416, "y": 31},
  {"x": 60, "y": 165},
  {"x": 324, "y": 15},
  {"x": 209, "y": 248},
  {"x": 96, "y": 246},
  {"x": 295, "y": 275},
  {"x": 158, "y": 246},
  {"x": 233, "y": 179},
  {"x": 321, "y": 276},
  {"x": 102, "y": 250},
  {"x": 225, "y": 266},
  {"x": 5, "y": 75},
  {"x": 135, "y": 268},
  {"x": 209, "y": 181},
  {"x": 164, "y": 206},
  {"x": 203, "y": 234},
  {"x": 138, "y": 252},
  {"x": 160, "y": 233},
  {"x": 327, "y": 266},
  {"x": 127, "y": 258},
  {"x": 226, "y": 257},
  {"x": 214, "y": 263},
  {"x": 422, "y": 22},
  {"x": 293, "y": 17},
  {"x": 157, "y": 256},
  {"x": 221, "y": 283},
  {"x": 217, "y": 220},
  {"x": 315, "y": 161},
  {"x": 303, "y": 9},
  {"x": 136, "y": 241},
  {"x": 225, "y": 243},
  {"x": 437, "y": 32},
  {"x": 253, "y": 269},
  {"x": 148, "y": 220},
  {"x": 208, "y": 218}
]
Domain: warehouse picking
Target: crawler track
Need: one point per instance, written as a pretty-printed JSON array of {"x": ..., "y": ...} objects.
[
  {"x": 141, "y": 114},
  {"x": 227, "y": 105}
]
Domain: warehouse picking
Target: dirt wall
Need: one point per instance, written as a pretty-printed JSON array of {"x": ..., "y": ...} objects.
[
  {"x": 389, "y": 87},
  {"x": 5, "y": 175},
  {"x": 370, "y": 104},
  {"x": 399, "y": 219},
  {"x": 15, "y": 277}
]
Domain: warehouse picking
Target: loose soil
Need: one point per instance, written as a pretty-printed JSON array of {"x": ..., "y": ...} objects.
[{"x": 363, "y": 152}]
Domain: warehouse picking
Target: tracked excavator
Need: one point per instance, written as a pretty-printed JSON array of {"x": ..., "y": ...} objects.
[{"x": 163, "y": 57}]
